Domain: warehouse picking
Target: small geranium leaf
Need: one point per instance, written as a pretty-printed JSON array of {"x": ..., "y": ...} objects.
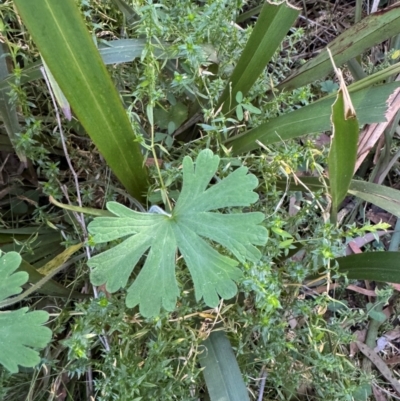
[
  {"x": 20, "y": 330},
  {"x": 10, "y": 283},
  {"x": 188, "y": 229}
]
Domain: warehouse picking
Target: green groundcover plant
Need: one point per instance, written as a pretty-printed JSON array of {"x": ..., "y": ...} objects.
[{"x": 211, "y": 232}]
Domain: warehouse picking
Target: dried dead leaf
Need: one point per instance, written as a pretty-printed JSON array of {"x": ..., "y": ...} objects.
[
  {"x": 393, "y": 334},
  {"x": 357, "y": 243},
  {"x": 393, "y": 361},
  {"x": 380, "y": 365},
  {"x": 378, "y": 394},
  {"x": 380, "y": 216},
  {"x": 368, "y": 293},
  {"x": 349, "y": 111},
  {"x": 371, "y": 134},
  {"x": 294, "y": 207},
  {"x": 360, "y": 336}
]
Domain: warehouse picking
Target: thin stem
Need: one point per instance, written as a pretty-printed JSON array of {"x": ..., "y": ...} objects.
[
  {"x": 262, "y": 385},
  {"x": 79, "y": 217},
  {"x": 358, "y": 13},
  {"x": 153, "y": 151}
]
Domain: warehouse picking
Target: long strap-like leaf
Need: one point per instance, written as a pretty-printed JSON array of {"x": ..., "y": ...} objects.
[
  {"x": 370, "y": 105},
  {"x": 272, "y": 26},
  {"x": 354, "y": 41},
  {"x": 221, "y": 370},
  {"x": 65, "y": 44}
]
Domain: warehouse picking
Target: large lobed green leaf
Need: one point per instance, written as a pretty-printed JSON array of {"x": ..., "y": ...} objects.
[
  {"x": 271, "y": 27},
  {"x": 191, "y": 221},
  {"x": 68, "y": 50},
  {"x": 20, "y": 331}
]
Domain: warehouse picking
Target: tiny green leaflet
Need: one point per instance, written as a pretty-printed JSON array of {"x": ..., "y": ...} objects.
[
  {"x": 186, "y": 230},
  {"x": 20, "y": 330}
]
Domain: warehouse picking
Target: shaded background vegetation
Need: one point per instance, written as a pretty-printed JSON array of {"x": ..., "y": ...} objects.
[{"x": 293, "y": 323}]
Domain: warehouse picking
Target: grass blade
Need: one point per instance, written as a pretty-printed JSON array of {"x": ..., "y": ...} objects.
[
  {"x": 375, "y": 78},
  {"x": 8, "y": 111},
  {"x": 40, "y": 283},
  {"x": 221, "y": 371},
  {"x": 384, "y": 197},
  {"x": 343, "y": 151},
  {"x": 248, "y": 14},
  {"x": 87, "y": 210},
  {"x": 313, "y": 184},
  {"x": 272, "y": 25},
  {"x": 81, "y": 74},
  {"x": 126, "y": 50},
  {"x": 127, "y": 10},
  {"x": 370, "y": 105},
  {"x": 112, "y": 52},
  {"x": 368, "y": 32},
  {"x": 51, "y": 287},
  {"x": 35, "y": 244},
  {"x": 376, "y": 266},
  {"x": 60, "y": 98}
]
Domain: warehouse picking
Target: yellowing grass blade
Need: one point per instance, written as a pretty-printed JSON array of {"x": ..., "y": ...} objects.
[{"x": 77, "y": 209}]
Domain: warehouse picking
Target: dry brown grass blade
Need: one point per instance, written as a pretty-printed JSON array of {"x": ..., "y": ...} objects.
[
  {"x": 370, "y": 136},
  {"x": 378, "y": 394},
  {"x": 369, "y": 293},
  {"x": 380, "y": 365},
  {"x": 354, "y": 245}
]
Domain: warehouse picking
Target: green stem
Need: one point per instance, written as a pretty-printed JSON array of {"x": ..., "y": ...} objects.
[{"x": 153, "y": 150}]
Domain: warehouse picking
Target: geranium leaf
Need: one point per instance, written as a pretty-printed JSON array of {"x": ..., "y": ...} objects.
[
  {"x": 20, "y": 330},
  {"x": 11, "y": 282},
  {"x": 188, "y": 229}
]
